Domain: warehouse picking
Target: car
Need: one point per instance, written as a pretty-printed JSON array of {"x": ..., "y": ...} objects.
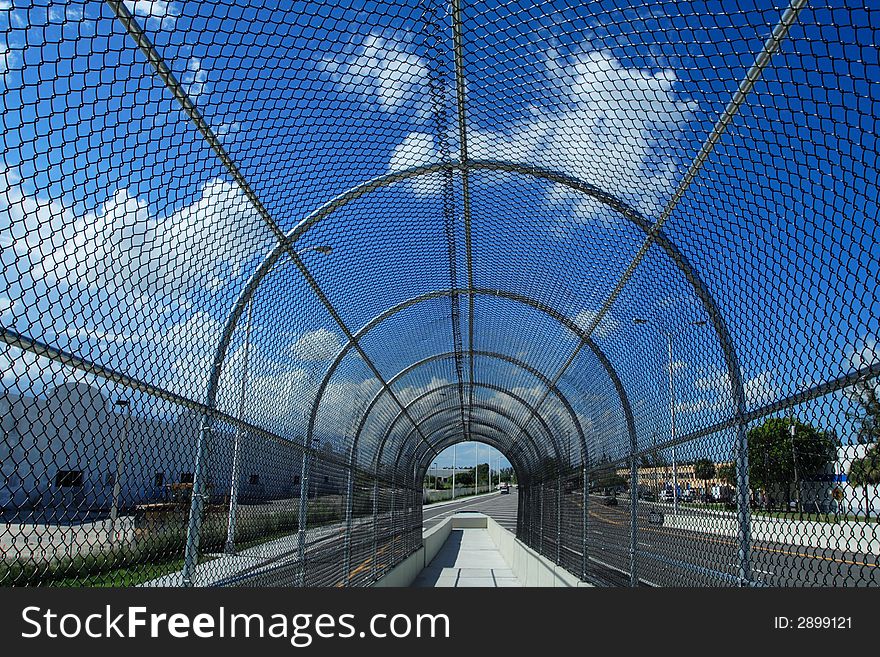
[
  {"x": 610, "y": 500},
  {"x": 504, "y": 490},
  {"x": 648, "y": 496},
  {"x": 666, "y": 495}
]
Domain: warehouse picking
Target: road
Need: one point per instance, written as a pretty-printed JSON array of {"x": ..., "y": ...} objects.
[{"x": 678, "y": 557}]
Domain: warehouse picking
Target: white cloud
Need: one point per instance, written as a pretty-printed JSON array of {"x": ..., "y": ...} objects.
[
  {"x": 606, "y": 327},
  {"x": 865, "y": 354},
  {"x": 607, "y": 129},
  {"x": 122, "y": 246},
  {"x": 418, "y": 149},
  {"x": 227, "y": 132},
  {"x": 195, "y": 78},
  {"x": 25, "y": 372},
  {"x": 760, "y": 389},
  {"x": 9, "y": 59},
  {"x": 158, "y": 13},
  {"x": 320, "y": 344},
  {"x": 677, "y": 366},
  {"x": 383, "y": 72},
  {"x": 7, "y": 307},
  {"x": 70, "y": 11}
]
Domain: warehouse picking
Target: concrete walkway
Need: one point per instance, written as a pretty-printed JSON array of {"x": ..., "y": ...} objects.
[{"x": 469, "y": 558}]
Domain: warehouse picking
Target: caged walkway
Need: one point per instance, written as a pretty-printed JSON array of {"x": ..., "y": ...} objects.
[
  {"x": 263, "y": 262},
  {"x": 468, "y": 558}
]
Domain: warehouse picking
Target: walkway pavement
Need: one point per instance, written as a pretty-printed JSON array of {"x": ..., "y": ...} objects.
[{"x": 469, "y": 558}]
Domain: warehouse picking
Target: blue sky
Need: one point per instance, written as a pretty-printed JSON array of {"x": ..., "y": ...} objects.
[{"x": 102, "y": 167}]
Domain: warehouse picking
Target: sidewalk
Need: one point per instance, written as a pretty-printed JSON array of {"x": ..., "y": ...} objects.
[{"x": 469, "y": 558}]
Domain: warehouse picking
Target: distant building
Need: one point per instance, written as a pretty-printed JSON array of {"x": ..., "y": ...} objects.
[
  {"x": 660, "y": 477},
  {"x": 445, "y": 474},
  {"x": 58, "y": 455},
  {"x": 854, "y": 499}
]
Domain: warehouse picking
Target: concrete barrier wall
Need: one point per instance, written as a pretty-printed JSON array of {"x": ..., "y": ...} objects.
[
  {"x": 434, "y": 538},
  {"x": 531, "y": 568},
  {"x": 404, "y": 573}
]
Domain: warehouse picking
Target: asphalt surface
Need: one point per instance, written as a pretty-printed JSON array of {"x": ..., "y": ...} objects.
[{"x": 678, "y": 557}]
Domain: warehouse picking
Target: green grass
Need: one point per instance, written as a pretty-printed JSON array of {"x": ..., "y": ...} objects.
[{"x": 123, "y": 576}]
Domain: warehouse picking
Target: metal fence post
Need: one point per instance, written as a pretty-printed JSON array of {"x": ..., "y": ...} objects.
[
  {"x": 634, "y": 518},
  {"x": 743, "y": 510},
  {"x": 349, "y": 511},
  {"x": 558, "y": 519},
  {"x": 194, "y": 526},
  {"x": 233, "y": 495},
  {"x": 303, "y": 517},
  {"x": 585, "y": 515},
  {"x": 375, "y": 527},
  {"x": 541, "y": 521}
]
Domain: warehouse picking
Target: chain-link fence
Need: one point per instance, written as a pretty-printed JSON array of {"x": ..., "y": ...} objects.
[{"x": 264, "y": 261}]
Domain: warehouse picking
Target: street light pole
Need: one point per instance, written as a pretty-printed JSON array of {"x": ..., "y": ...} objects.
[
  {"x": 117, "y": 478},
  {"x": 476, "y": 468},
  {"x": 453, "y": 472},
  {"x": 797, "y": 486},
  {"x": 672, "y": 429},
  {"x": 302, "y": 518}
]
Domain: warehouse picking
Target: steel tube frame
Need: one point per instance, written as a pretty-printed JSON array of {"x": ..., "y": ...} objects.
[
  {"x": 500, "y": 411},
  {"x": 349, "y": 485},
  {"x": 417, "y": 457},
  {"x": 486, "y": 386},
  {"x": 533, "y": 443}
]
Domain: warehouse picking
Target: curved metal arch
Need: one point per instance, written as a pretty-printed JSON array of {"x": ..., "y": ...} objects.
[
  {"x": 485, "y": 354},
  {"x": 629, "y": 213},
  {"x": 487, "y": 439},
  {"x": 655, "y": 233},
  {"x": 449, "y": 355},
  {"x": 502, "y": 294},
  {"x": 487, "y": 386},
  {"x": 429, "y": 296},
  {"x": 556, "y": 453},
  {"x": 535, "y": 452},
  {"x": 513, "y": 361},
  {"x": 497, "y": 443},
  {"x": 455, "y": 439},
  {"x": 534, "y": 444}
]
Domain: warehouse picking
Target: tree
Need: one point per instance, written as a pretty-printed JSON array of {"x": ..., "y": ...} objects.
[
  {"x": 704, "y": 469},
  {"x": 866, "y": 472},
  {"x": 727, "y": 474},
  {"x": 778, "y": 460}
]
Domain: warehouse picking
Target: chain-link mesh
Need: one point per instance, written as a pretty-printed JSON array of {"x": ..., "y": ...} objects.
[{"x": 264, "y": 261}]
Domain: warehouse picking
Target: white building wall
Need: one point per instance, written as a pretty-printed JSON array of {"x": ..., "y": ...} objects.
[{"x": 854, "y": 496}]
